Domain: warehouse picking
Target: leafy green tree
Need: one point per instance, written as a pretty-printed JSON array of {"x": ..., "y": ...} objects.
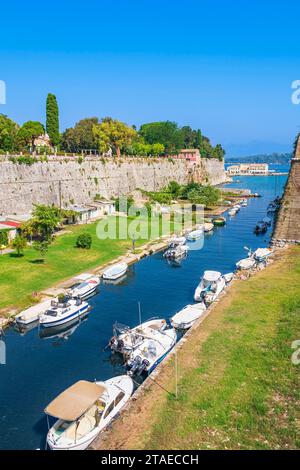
[
  {"x": 28, "y": 133},
  {"x": 174, "y": 188},
  {"x": 166, "y": 133},
  {"x": 157, "y": 149},
  {"x": 206, "y": 195},
  {"x": 42, "y": 247},
  {"x": 84, "y": 240},
  {"x": 45, "y": 219},
  {"x": 113, "y": 134},
  {"x": 52, "y": 119},
  {"x": 8, "y": 133},
  {"x": 81, "y": 136},
  {"x": 19, "y": 244},
  {"x": 3, "y": 238}
]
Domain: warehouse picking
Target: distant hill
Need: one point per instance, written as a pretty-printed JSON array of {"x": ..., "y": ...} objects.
[{"x": 277, "y": 158}]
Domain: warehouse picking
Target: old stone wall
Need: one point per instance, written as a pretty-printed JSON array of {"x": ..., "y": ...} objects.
[
  {"x": 74, "y": 182},
  {"x": 287, "y": 226}
]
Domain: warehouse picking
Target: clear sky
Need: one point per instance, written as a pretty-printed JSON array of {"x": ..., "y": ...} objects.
[{"x": 225, "y": 66}]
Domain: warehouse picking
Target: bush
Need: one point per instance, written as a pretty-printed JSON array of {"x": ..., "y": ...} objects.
[
  {"x": 3, "y": 238},
  {"x": 84, "y": 240}
]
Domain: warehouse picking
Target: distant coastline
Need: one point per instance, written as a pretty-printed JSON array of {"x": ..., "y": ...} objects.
[{"x": 274, "y": 158}]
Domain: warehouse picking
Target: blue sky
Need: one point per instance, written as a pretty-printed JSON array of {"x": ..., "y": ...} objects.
[{"x": 224, "y": 66}]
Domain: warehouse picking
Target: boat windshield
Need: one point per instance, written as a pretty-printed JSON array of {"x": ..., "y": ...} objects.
[{"x": 51, "y": 313}]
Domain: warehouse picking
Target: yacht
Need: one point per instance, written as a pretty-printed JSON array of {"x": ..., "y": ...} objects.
[
  {"x": 84, "y": 410},
  {"x": 186, "y": 317},
  {"x": 114, "y": 272},
  {"x": 210, "y": 287},
  {"x": 126, "y": 339},
  {"x": 63, "y": 310},
  {"x": 152, "y": 350}
]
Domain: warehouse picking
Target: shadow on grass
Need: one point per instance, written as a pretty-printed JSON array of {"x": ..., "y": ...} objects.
[
  {"x": 37, "y": 261},
  {"x": 15, "y": 255}
]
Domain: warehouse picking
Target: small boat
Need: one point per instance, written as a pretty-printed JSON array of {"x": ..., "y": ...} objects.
[
  {"x": 228, "y": 277},
  {"x": 237, "y": 207},
  {"x": 246, "y": 263},
  {"x": 151, "y": 352},
  {"x": 175, "y": 241},
  {"x": 115, "y": 271},
  {"x": 261, "y": 227},
  {"x": 244, "y": 203},
  {"x": 186, "y": 317},
  {"x": 177, "y": 252},
  {"x": 126, "y": 339},
  {"x": 86, "y": 288},
  {"x": 219, "y": 221},
  {"x": 195, "y": 234},
  {"x": 84, "y": 410},
  {"x": 32, "y": 314},
  {"x": 208, "y": 227},
  {"x": 267, "y": 220},
  {"x": 210, "y": 287},
  {"x": 63, "y": 311},
  {"x": 232, "y": 212},
  {"x": 261, "y": 254}
]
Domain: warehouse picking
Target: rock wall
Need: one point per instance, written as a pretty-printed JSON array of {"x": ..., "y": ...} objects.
[
  {"x": 68, "y": 181},
  {"x": 287, "y": 227}
]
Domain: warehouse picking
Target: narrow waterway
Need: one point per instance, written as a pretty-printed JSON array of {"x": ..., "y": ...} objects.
[{"x": 37, "y": 369}]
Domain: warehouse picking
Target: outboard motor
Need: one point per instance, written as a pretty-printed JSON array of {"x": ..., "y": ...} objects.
[{"x": 137, "y": 367}]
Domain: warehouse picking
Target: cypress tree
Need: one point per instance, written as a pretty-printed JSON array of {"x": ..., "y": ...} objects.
[{"x": 52, "y": 119}]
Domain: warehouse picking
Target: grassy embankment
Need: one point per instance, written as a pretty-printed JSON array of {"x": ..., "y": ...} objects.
[
  {"x": 21, "y": 276},
  {"x": 238, "y": 388}
]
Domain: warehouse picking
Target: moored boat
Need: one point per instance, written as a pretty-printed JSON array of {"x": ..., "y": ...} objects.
[
  {"x": 126, "y": 339},
  {"x": 261, "y": 254},
  {"x": 246, "y": 263},
  {"x": 219, "y": 221},
  {"x": 261, "y": 227},
  {"x": 63, "y": 310},
  {"x": 115, "y": 271},
  {"x": 195, "y": 234},
  {"x": 84, "y": 410},
  {"x": 208, "y": 227},
  {"x": 151, "y": 352},
  {"x": 88, "y": 286},
  {"x": 32, "y": 314},
  {"x": 210, "y": 287},
  {"x": 186, "y": 317}
]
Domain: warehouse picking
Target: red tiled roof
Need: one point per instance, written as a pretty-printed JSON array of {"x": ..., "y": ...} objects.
[{"x": 10, "y": 223}]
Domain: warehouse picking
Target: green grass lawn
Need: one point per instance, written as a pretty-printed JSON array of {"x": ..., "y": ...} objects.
[
  {"x": 20, "y": 277},
  {"x": 238, "y": 387}
]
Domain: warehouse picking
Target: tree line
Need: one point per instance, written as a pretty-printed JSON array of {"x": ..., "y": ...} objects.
[{"x": 104, "y": 135}]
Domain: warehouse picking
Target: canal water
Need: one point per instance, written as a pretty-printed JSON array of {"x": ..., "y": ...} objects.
[{"x": 37, "y": 369}]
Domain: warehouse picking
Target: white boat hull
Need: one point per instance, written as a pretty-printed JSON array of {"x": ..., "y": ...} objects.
[
  {"x": 185, "y": 319},
  {"x": 50, "y": 322},
  {"x": 125, "y": 384},
  {"x": 114, "y": 272}
]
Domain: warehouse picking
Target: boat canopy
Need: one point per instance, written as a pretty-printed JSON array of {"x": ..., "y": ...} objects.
[
  {"x": 211, "y": 276},
  {"x": 75, "y": 400}
]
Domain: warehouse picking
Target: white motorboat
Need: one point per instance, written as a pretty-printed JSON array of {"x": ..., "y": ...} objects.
[
  {"x": 126, "y": 339},
  {"x": 237, "y": 207},
  {"x": 176, "y": 252},
  {"x": 246, "y": 263},
  {"x": 115, "y": 271},
  {"x": 186, "y": 317},
  {"x": 195, "y": 234},
  {"x": 63, "y": 311},
  {"x": 267, "y": 220},
  {"x": 151, "y": 352},
  {"x": 89, "y": 285},
  {"x": 261, "y": 254},
  {"x": 177, "y": 241},
  {"x": 84, "y": 410},
  {"x": 32, "y": 314},
  {"x": 210, "y": 287},
  {"x": 208, "y": 227},
  {"x": 232, "y": 212}
]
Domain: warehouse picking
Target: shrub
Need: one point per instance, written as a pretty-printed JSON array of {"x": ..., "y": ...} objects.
[
  {"x": 84, "y": 240},
  {"x": 3, "y": 238}
]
